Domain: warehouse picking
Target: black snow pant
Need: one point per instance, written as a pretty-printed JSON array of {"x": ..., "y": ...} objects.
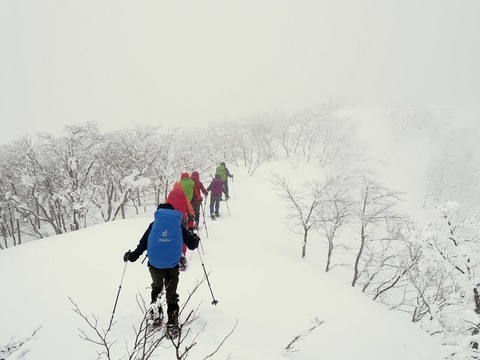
[
  {"x": 167, "y": 278},
  {"x": 225, "y": 188},
  {"x": 196, "y": 209}
]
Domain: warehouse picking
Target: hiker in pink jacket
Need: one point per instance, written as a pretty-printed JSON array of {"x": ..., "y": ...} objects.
[{"x": 216, "y": 191}]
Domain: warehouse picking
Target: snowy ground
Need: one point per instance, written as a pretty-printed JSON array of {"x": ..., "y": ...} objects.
[{"x": 256, "y": 274}]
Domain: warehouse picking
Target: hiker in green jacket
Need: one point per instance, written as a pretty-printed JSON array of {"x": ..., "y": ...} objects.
[
  {"x": 188, "y": 185},
  {"x": 222, "y": 170}
]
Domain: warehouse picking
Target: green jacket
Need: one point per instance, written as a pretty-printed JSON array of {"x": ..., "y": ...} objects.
[
  {"x": 188, "y": 184},
  {"x": 223, "y": 172}
]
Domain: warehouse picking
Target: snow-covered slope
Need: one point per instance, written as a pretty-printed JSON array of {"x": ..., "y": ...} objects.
[{"x": 256, "y": 274}]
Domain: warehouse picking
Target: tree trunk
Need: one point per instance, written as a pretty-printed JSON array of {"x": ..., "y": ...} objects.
[
  {"x": 329, "y": 253},
  {"x": 12, "y": 226},
  {"x": 76, "y": 225},
  {"x": 356, "y": 270},
  {"x": 18, "y": 231},
  {"x": 139, "y": 202},
  {"x": 304, "y": 249},
  {"x": 4, "y": 231},
  {"x": 37, "y": 218}
]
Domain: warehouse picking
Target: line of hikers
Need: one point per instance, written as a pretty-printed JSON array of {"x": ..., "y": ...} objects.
[
  {"x": 192, "y": 187},
  {"x": 171, "y": 233}
]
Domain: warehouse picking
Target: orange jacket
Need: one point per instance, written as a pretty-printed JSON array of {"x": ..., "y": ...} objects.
[{"x": 179, "y": 201}]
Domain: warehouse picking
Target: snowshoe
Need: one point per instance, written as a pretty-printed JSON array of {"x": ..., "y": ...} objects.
[
  {"x": 172, "y": 331},
  {"x": 157, "y": 322},
  {"x": 155, "y": 317}
]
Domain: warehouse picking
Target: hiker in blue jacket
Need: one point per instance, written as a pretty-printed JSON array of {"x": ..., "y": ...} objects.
[{"x": 163, "y": 241}]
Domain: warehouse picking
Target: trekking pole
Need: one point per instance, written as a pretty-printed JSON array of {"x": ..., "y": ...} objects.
[
  {"x": 204, "y": 220},
  {"x": 118, "y": 294},
  {"x": 214, "y": 302},
  {"x": 201, "y": 244},
  {"x": 228, "y": 208},
  {"x": 233, "y": 183}
]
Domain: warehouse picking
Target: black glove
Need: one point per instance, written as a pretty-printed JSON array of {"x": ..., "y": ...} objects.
[
  {"x": 126, "y": 256},
  {"x": 190, "y": 217},
  {"x": 196, "y": 239}
]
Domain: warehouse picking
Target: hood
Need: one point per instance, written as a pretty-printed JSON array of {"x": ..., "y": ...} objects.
[
  {"x": 195, "y": 176},
  {"x": 177, "y": 186},
  {"x": 184, "y": 175},
  {"x": 165, "y": 206}
]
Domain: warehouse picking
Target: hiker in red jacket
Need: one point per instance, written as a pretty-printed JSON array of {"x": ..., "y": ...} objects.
[{"x": 197, "y": 196}]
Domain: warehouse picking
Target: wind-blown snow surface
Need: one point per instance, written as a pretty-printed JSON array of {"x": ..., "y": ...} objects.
[{"x": 256, "y": 274}]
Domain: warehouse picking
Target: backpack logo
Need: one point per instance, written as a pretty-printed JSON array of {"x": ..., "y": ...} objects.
[{"x": 164, "y": 238}]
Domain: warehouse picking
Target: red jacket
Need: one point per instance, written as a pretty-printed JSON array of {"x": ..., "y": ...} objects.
[{"x": 199, "y": 188}]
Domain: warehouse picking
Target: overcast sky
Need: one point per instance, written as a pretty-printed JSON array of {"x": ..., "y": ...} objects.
[{"x": 122, "y": 63}]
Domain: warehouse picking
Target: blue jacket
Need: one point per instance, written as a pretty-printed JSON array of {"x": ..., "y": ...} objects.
[{"x": 163, "y": 240}]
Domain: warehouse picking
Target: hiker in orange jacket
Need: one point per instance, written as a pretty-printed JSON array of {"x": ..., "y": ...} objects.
[{"x": 179, "y": 201}]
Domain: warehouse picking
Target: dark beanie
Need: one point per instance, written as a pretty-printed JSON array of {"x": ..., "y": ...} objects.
[{"x": 165, "y": 206}]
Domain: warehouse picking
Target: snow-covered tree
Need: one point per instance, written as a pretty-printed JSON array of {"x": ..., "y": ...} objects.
[
  {"x": 334, "y": 210},
  {"x": 301, "y": 204},
  {"x": 454, "y": 169},
  {"x": 373, "y": 213},
  {"x": 125, "y": 162},
  {"x": 446, "y": 279},
  {"x": 256, "y": 140}
]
